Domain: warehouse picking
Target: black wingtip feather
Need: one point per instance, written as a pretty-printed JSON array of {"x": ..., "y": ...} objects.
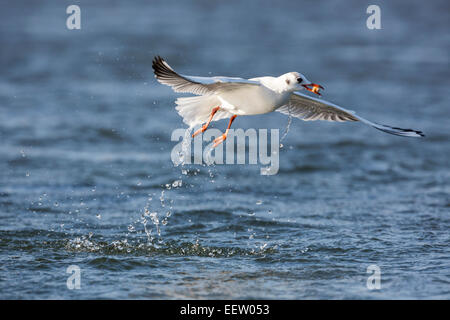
[
  {"x": 420, "y": 133},
  {"x": 399, "y": 131},
  {"x": 158, "y": 65},
  {"x": 162, "y": 69}
]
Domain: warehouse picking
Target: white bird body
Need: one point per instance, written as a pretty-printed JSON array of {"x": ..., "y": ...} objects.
[
  {"x": 251, "y": 100},
  {"x": 224, "y": 97}
]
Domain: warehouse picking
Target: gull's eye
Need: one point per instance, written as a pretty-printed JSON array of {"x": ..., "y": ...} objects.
[{"x": 299, "y": 80}]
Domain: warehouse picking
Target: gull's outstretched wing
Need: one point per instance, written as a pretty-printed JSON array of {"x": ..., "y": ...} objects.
[
  {"x": 308, "y": 108},
  {"x": 196, "y": 85}
]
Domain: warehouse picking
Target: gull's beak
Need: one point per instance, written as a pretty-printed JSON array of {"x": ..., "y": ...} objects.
[{"x": 313, "y": 87}]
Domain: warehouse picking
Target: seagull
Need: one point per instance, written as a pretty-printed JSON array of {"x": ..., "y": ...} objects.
[{"x": 226, "y": 97}]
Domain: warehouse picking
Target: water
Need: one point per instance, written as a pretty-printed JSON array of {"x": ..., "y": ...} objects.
[{"x": 86, "y": 177}]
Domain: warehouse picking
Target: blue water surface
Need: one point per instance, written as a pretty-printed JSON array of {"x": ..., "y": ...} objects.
[{"x": 86, "y": 176}]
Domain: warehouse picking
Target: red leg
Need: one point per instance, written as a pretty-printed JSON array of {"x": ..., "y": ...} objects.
[
  {"x": 205, "y": 126},
  {"x": 223, "y": 137}
]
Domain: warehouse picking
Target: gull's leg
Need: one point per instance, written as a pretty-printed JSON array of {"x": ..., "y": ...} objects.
[
  {"x": 205, "y": 126},
  {"x": 223, "y": 137}
]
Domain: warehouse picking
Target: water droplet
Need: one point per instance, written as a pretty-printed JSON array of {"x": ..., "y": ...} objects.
[
  {"x": 177, "y": 183},
  {"x": 154, "y": 217}
]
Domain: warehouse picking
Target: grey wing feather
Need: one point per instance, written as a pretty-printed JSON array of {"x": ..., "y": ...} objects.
[
  {"x": 309, "y": 108},
  {"x": 192, "y": 84}
]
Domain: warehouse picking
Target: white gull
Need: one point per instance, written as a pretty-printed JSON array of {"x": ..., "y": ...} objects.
[{"x": 224, "y": 97}]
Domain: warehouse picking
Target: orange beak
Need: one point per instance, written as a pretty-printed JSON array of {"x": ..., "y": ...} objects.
[{"x": 314, "y": 88}]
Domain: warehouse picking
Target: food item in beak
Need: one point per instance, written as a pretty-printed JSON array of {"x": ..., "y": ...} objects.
[{"x": 315, "y": 88}]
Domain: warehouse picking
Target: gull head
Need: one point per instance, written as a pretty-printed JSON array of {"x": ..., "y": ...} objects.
[{"x": 295, "y": 81}]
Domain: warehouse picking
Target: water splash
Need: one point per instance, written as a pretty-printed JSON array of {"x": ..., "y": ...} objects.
[
  {"x": 157, "y": 216},
  {"x": 207, "y": 154},
  {"x": 126, "y": 246},
  {"x": 185, "y": 146},
  {"x": 288, "y": 126}
]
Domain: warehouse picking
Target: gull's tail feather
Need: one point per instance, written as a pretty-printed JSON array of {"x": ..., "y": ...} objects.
[{"x": 196, "y": 110}]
